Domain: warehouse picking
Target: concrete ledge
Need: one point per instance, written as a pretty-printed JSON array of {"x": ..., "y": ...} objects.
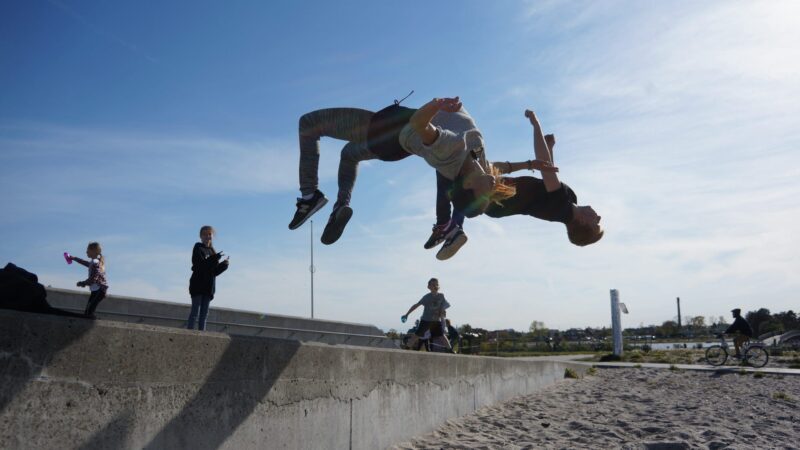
[
  {"x": 226, "y": 320},
  {"x": 75, "y": 383}
]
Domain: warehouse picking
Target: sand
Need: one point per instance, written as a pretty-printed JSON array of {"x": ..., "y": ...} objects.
[{"x": 636, "y": 409}]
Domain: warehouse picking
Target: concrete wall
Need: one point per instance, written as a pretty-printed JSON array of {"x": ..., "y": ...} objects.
[
  {"x": 226, "y": 320},
  {"x": 75, "y": 383}
]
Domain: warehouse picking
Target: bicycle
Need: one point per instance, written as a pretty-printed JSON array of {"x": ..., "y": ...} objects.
[{"x": 753, "y": 353}]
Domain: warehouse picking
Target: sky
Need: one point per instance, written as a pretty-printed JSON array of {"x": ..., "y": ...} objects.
[{"x": 135, "y": 123}]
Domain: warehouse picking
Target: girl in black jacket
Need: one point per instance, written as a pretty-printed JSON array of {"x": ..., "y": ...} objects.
[{"x": 206, "y": 265}]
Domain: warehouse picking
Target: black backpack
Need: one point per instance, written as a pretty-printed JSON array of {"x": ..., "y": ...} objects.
[{"x": 20, "y": 290}]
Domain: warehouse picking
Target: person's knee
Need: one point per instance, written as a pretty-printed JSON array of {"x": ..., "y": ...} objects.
[
  {"x": 306, "y": 124},
  {"x": 346, "y": 154}
]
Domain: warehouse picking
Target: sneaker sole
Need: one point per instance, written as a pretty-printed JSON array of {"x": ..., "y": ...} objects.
[
  {"x": 333, "y": 230},
  {"x": 435, "y": 243},
  {"x": 319, "y": 206},
  {"x": 452, "y": 249}
]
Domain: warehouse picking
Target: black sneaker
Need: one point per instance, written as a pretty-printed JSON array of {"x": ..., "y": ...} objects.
[
  {"x": 336, "y": 223},
  {"x": 307, "y": 208},
  {"x": 437, "y": 236},
  {"x": 455, "y": 239}
]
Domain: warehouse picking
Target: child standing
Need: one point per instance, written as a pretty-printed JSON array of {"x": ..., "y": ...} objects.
[
  {"x": 435, "y": 306},
  {"x": 97, "y": 276},
  {"x": 206, "y": 266}
]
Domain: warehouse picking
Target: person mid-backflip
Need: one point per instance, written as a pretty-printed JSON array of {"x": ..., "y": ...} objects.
[
  {"x": 441, "y": 131},
  {"x": 545, "y": 199}
]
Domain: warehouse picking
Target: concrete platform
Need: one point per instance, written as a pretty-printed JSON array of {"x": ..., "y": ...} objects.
[
  {"x": 225, "y": 320},
  {"x": 75, "y": 383}
]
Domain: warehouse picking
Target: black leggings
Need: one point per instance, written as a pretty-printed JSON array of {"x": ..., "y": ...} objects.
[{"x": 94, "y": 299}]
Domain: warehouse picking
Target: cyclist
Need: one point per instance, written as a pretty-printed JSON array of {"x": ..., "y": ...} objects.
[{"x": 742, "y": 330}]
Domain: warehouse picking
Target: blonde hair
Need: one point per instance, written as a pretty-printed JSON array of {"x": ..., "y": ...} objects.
[
  {"x": 96, "y": 247},
  {"x": 502, "y": 189}
]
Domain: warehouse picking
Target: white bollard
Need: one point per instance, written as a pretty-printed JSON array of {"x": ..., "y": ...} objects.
[{"x": 616, "y": 322}]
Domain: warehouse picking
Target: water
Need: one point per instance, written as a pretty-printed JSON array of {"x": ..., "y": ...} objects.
[{"x": 673, "y": 345}]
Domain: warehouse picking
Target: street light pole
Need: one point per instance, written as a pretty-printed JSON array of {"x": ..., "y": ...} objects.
[{"x": 312, "y": 269}]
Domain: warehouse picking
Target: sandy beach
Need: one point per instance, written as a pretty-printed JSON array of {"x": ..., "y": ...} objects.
[{"x": 636, "y": 409}]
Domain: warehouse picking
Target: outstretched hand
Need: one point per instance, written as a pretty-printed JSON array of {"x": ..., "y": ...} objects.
[
  {"x": 543, "y": 166},
  {"x": 449, "y": 104}
]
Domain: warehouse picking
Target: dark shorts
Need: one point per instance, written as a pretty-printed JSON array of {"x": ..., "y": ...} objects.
[{"x": 434, "y": 325}]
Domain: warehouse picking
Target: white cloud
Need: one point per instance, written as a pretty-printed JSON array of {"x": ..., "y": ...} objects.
[{"x": 147, "y": 162}]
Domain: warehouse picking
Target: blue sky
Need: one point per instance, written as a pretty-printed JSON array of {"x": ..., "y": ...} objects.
[{"x": 134, "y": 123}]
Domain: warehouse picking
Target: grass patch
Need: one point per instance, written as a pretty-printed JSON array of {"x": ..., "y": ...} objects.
[
  {"x": 742, "y": 371},
  {"x": 758, "y": 375},
  {"x": 637, "y": 366},
  {"x": 782, "y": 396},
  {"x": 674, "y": 356},
  {"x": 525, "y": 354},
  {"x": 591, "y": 371},
  {"x": 610, "y": 357},
  {"x": 570, "y": 373},
  {"x": 674, "y": 368}
]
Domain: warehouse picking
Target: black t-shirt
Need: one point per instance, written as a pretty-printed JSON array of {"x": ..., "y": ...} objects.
[
  {"x": 740, "y": 325},
  {"x": 532, "y": 199},
  {"x": 384, "y": 132}
]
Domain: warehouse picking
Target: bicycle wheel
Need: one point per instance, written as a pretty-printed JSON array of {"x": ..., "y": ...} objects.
[
  {"x": 716, "y": 355},
  {"x": 756, "y": 356}
]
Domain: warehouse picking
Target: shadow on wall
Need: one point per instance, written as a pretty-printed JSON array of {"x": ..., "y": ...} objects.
[
  {"x": 223, "y": 403},
  {"x": 114, "y": 433},
  {"x": 26, "y": 351},
  {"x": 239, "y": 381}
]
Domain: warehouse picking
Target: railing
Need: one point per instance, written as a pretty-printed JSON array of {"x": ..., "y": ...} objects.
[{"x": 225, "y": 325}]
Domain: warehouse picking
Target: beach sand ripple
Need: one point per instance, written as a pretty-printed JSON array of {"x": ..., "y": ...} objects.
[{"x": 652, "y": 409}]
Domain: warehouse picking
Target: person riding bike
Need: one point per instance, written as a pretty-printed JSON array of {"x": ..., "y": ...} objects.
[{"x": 741, "y": 328}]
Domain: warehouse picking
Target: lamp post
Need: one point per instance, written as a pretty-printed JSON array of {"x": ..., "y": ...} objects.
[{"x": 312, "y": 269}]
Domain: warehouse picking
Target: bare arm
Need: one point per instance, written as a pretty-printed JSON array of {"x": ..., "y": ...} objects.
[
  {"x": 410, "y": 310},
  {"x": 421, "y": 119},
  {"x": 542, "y": 152},
  {"x": 534, "y": 164}
]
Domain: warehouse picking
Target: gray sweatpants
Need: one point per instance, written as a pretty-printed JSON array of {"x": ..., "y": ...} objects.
[{"x": 348, "y": 124}]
